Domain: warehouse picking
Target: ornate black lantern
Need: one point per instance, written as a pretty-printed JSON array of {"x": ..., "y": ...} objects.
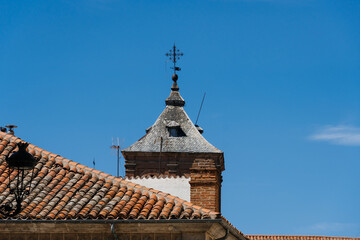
[{"x": 22, "y": 164}]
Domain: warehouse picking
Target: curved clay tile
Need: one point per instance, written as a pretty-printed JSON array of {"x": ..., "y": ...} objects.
[
  {"x": 48, "y": 193},
  {"x": 33, "y": 199},
  {"x": 147, "y": 207},
  {"x": 129, "y": 205},
  {"x": 186, "y": 214},
  {"x": 65, "y": 206},
  {"x": 3, "y": 144},
  {"x": 175, "y": 213},
  {"x": 93, "y": 207},
  {"x": 87, "y": 202},
  {"x": 71, "y": 208},
  {"x": 157, "y": 208},
  {"x": 119, "y": 206},
  {"x": 165, "y": 213},
  {"x": 104, "y": 201},
  {"x": 65, "y": 192},
  {"x": 196, "y": 215},
  {"x": 138, "y": 206},
  {"x": 63, "y": 187},
  {"x": 114, "y": 201}
]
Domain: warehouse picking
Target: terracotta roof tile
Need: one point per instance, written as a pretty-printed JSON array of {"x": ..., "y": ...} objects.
[
  {"x": 196, "y": 214},
  {"x": 186, "y": 213},
  {"x": 157, "y": 208},
  {"x": 63, "y": 189},
  {"x": 165, "y": 213},
  {"x": 175, "y": 213},
  {"x": 138, "y": 206}
]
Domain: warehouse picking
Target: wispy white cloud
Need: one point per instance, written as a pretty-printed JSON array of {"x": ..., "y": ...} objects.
[
  {"x": 331, "y": 228},
  {"x": 340, "y": 135},
  {"x": 334, "y": 226},
  {"x": 297, "y": 2}
]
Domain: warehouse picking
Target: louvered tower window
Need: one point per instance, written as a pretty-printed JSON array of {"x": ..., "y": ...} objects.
[{"x": 176, "y": 132}]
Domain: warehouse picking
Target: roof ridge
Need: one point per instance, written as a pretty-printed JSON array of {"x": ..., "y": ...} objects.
[{"x": 69, "y": 164}]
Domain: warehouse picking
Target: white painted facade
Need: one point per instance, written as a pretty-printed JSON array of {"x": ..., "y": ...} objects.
[{"x": 176, "y": 186}]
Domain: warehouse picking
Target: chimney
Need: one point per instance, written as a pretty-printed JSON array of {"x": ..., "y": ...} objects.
[
  {"x": 11, "y": 129},
  {"x": 205, "y": 184}
]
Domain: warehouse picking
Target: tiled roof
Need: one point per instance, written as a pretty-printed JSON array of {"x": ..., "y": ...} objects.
[
  {"x": 173, "y": 115},
  {"x": 63, "y": 189},
  {"x": 283, "y": 237}
]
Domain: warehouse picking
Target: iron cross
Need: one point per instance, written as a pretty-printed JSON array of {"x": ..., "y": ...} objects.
[{"x": 174, "y": 55}]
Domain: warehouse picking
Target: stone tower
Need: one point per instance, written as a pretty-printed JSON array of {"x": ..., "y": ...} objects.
[{"x": 174, "y": 148}]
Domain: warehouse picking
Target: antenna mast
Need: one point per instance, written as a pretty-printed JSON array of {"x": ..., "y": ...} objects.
[
  {"x": 118, "y": 148},
  {"x": 200, "y": 109}
]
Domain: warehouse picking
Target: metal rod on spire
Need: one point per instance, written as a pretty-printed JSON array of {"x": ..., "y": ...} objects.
[{"x": 174, "y": 54}]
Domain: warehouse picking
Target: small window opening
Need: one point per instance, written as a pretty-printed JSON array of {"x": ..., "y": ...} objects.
[{"x": 176, "y": 132}]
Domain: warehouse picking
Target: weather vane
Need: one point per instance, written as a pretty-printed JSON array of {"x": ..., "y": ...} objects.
[{"x": 174, "y": 55}]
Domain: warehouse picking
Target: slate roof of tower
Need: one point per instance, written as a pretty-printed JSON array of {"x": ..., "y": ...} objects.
[
  {"x": 173, "y": 115},
  {"x": 63, "y": 189}
]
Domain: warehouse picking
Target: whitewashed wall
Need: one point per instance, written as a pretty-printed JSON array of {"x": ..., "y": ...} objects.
[{"x": 177, "y": 186}]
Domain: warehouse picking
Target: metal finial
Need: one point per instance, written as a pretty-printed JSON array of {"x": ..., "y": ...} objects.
[{"x": 174, "y": 55}]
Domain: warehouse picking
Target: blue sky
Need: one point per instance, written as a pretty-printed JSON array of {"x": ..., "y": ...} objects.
[{"x": 282, "y": 83}]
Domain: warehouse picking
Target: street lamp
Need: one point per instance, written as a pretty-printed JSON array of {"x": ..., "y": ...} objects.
[{"x": 20, "y": 163}]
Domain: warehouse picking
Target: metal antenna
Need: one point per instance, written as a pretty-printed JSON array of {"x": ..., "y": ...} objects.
[
  {"x": 174, "y": 55},
  {"x": 200, "y": 108},
  {"x": 94, "y": 163},
  {"x": 118, "y": 148}
]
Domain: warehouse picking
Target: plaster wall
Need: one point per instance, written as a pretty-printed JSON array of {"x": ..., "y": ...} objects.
[{"x": 177, "y": 186}]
